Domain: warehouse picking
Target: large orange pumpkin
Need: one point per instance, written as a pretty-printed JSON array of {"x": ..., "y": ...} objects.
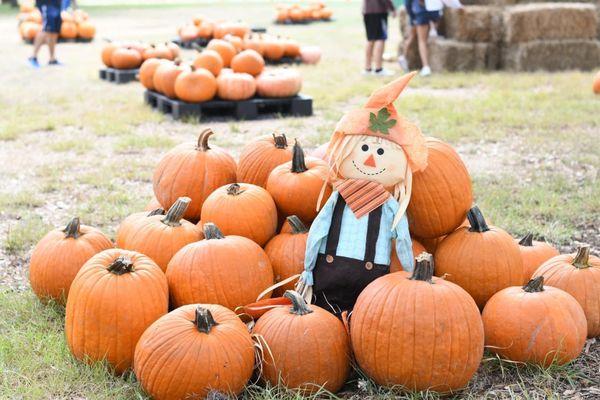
[
  {"x": 236, "y": 86},
  {"x": 125, "y": 58},
  {"x": 248, "y": 61},
  {"x": 58, "y": 257},
  {"x": 113, "y": 299},
  {"x": 417, "y": 331},
  {"x": 68, "y": 30},
  {"x": 86, "y": 30},
  {"x": 579, "y": 275},
  {"x": 261, "y": 156},
  {"x": 196, "y": 85},
  {"x": 534, "y": 324},
  {"x": 227, "y": 270},
  {"x": 305, "y": 347},
  {"x": 441, "y": 193},
  {"x": 209, "y": 60},
  {"x": 224, "y": 48},
  {"x": 534, "y": 254},
  {"x": 481, "y": 259},
  {"x": 242, "y": 209},
  {"x": 147, "y": 71},
  {"x": 166, "y": 75},
  {"x": 192, "y": 170},
  {"x": 192, "y": 351},
  {"x": 279, "y": 83},
  {"x": 296, "y": 185}
]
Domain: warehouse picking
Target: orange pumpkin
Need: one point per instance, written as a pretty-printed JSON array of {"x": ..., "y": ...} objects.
[
  {"x": 310, "y": 54},
  {"x": 236, "y": 41},
  {"x": 291, "y": 48},
  {"x": 534, "y": 324},
  {"x": 279, "y": 83},
  {"x": 189, "y": 32},
  {"x": 192, "y": 170},
  {"x": 260, "y": 157},
  {"x": 395, "y": 265},
  {"x": 29, "y": 30},
  {"x": 147, "y": 71},
  {"x": 253, "y": 42},
  {"x": 296, "y": 185},
  {"x": 58, "y": 257},
  {"x": 157, "y": 51},
  {"x": 205, "y": 30},
  {"x": 248, "y": 61},
  {"x": 236, "y": 86},
  {"x": 274, "y": 49},
  {"x": 224, "y": 48},
  {"x": 242, "y": 209},
  {"x": 195, "y": 86},
  {"x": 86, "y": 30},
  {"x": 166, "y": 75},
  {"x": 534, "y": 254},
  {"x": 227, "y": 270},
  {"x": 68, "y": 30},
  {"x": 174, "y": 49},
  {"x": 125, "y": 58},
  {"x": 209, "y": 60},
  {"x": 596, "y": 84}
]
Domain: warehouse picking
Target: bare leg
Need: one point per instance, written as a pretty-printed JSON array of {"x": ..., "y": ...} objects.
[
  {"x": 409, "y": 41},
  {"x": 422, "y": 35},
  {"x": 369, "y": 55},
  {"x": 378, "y": 53},
  {"x": 52, "y": 39},
  {"x": 39, "y": 40}
]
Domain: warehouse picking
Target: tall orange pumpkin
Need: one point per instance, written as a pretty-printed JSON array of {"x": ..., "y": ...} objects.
[
  {"x": 534, "y": 324},
  {"x": 261, "y": 156},
  {"x": 417, "y": 331},
  {"x": 441, "y": 193},
  {"x": 192, "y": 351},
  {"x": 227, "y": 270},
  {"x": 113, "y": 299},
  {"x": 534, "y": 254},
  {"x": 147, "y": 71},
  {"x": 481, "y": 259},
  {"x": 248, "y": 61},
  {"x": 296, "y": 185},
  {"x": 58, "y": 257},
  {"x": 194, "y": 171},
  {"x": 195, "y": 86},
  {"x": 306, "y": 347},
  {"x": 209, "y": 60},
  {"x": 579, "y": 275}
]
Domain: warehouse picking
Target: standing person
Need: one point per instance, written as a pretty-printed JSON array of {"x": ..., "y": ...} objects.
[
  {"x": 423, "y": 19},
  {"x": 375, "y": 16},
  {"x": 405, "y": 46}
]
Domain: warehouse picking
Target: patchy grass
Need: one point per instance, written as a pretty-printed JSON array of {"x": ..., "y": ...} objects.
[{"x": 24, "y": 233}]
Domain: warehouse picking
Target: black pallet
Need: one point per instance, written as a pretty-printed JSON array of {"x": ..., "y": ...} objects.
[
  {"x": 285, "y": 60},
  {"x": 119, "y": 75},
  {"x": 299, "y": 105},
  {"x": 190, "y": 44},
  {"x": 258, "y": 29},
  {"x": 61, "y": 40},
  {"x": 305, "y": 22}
]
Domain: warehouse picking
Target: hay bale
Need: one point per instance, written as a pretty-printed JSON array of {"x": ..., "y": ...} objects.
[
  {"x": 552, "y": 55},
  {"x": 453, "y": 55},
  {"x": 529, "y": 22},
  {"x": 473, "y": 23}
]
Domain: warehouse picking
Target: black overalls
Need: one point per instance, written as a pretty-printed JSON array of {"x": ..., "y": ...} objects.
[{"x": 339, "y": 280}]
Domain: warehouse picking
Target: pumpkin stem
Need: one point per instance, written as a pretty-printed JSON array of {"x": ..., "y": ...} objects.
[
  {"x": 204, "y": 320},
  {"x": 535, "y": 285},
  {"x": 424, "y": 268},
  {"x": 299, "y": 306},
  {"x": 175, "y": 213},
  {"x": 298, "y": 164},
  {"x": 296, "y": 224},
  {"x": 73, "y": 228},
  {"x": 157, "y": 211},
  {"x": 527, "y": 240},
  {"x": 476, "y": 220},
  {"x": 280, "y": 141},
  {"x": 203, "y": 140},
  {"x": 234, "y": 189},
  {"x": 211, "y": 231},
  {"x": 122, "y": 265},
  {"x": 582, "y": 257},
  {"x": 197, "y": 47}
]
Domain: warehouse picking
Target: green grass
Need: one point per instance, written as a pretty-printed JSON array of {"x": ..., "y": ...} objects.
[{"x": 24, "y": 233}]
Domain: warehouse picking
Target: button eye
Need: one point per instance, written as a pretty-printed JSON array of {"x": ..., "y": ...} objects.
[
  {"x": 365, "y": 147},
  {"x": 380, "y": 151}
]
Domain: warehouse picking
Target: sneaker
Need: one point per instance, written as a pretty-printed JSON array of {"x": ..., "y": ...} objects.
[
  {"x": 425, "y": 71},
  {"x": 367, "y": 72},
  {"x": 403, "y": 62},
  {"x": 384, "y": 72},
  {"x": 433, "y": 32},
  {"x": 33, "y": 61},
  {"x": 55, "y": 62}
]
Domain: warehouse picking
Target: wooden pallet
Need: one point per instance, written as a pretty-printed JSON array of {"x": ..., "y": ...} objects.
[
  {"x": 299, "y": 105},
  {"x": 119, "y": 75},
  {"x": 284, "y": 60}
]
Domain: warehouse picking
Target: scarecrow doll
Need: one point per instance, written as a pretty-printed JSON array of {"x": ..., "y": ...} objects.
[{"x": 372, "y": 155}]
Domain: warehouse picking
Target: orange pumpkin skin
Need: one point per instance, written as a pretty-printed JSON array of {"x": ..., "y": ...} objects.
[
  {"x": 248, "y": 61},
  {"x": 158, "y": 51},
  {"x": 224, "y": 48},
  {"x": 274, "y": 49},
  {"x": 125, "y": 58},
  {"x": 86, "y": 30},
  {"x": 481, "y": 259},
  {"x": 166, "y": 75},
  {"x": 286, "y": 252},
  {"x": 147, "y": 71},
  {"x": 213, "y": 351},
  {"x": 313, "y": 332},
  {"x": 291, "y": 48},
  {"x": 195, "y": 86},
  {"x": 68, "y": 30},
  {"x": 58, "y": 257},
  {"x": 253, "y": 42},
  {"x": 236, "y": 86},
  {"x": 242, "y": 209},
  {"x": 260, "y": 157},
  {"x": 296, "y": 186},
  {"x": 596, "y": 84},
  {"x": 579, "y": 275},
  {"x": 189, "y": 32},
  {"x": 205, "y": 30},
  {"x": 395, "y": 265},
  {"x": 194, "y": 171},
  {"x": 441, "y": 193},
  {"x": 279, "y": 83},
  {"x": 29, "y": 30},
  {"x": 419, "y": 332},
  {"x": 534, "y": 254},
  {"x": 227, "y": 270},
  {"x": 209, "y": 60},
  {"x": 113, "y": 299},
  {"x": 534, "y": 324},
  {"x": 236, "y": 41}
]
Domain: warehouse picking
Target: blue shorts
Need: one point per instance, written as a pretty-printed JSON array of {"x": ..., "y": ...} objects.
[
  {"x": 425, "y": 17},
  {"x": 51, "y": 18}
]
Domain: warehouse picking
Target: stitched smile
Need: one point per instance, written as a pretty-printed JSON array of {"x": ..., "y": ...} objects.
[{"x": 366, "y": 173}]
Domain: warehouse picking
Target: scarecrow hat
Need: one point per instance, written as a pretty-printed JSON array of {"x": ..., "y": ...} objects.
[{"x": 379, "y": 118}]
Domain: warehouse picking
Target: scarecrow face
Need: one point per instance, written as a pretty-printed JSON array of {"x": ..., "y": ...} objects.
[{"x": 375, "y": 159}]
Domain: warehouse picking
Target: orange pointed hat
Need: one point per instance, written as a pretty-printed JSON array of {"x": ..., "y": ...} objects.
[{"x": 379, "y": 118}]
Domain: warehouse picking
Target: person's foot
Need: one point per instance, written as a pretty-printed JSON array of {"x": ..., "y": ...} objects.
[
  {"x": 433, "y": 32},
  {"x": 403, "y": 62},
  {"x": 388, "y": 57},
  {"x": 425, "y": 71},
  {"x": 55, "y": 62},
  {"x": 33, "y": 61},
  {"x": 384, "y": 72},
  {"x": 367, "y": 72}
]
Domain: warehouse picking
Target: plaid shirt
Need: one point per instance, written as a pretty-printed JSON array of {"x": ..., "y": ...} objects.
[{"x": 353, "y": 237}]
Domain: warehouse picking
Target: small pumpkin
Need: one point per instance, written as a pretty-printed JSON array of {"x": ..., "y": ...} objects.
[
  {"x": 579, "y": 275},
  {"x": 68, "y": 30},
  {"x": 242, "y": 209},
  {"x": 236, "y": 86},
  {"x": 29, "y": 30},
  {"x": 166, "y": 75},
  {"x": 192, "y": 351},
  {"x": 227, "y": 270},
  {"x": 59, "y": 255},
  {"x": 279, "y": 83},
  {"x": 303, "y": 332},
  {"x": 296, "y": 185},
  {"x": 534, "y": 254},
  {"x": 534, "y": 324},
  {"x": 115, "y": 296},
  {"x": 86, "y": 30},
  {"x": 174, "y": 49},
  {"x": 224, "y": 48},
  {"x": 192, "y": 170},
  {"x": 147, "y": 71},
  {"x": 236, "y": 41},
  {"x": 248, "y": 61},
  {"x": 209, "y": 60},
  {"x": 261, "y": 156},
  {"x": 125, "y": 58},
  {"x": 253, "y": 42},
  {"x": 157, "y": 51},
  {"x": 195, "y": 86},
  {"x": 205, "y": 30},
  {"x": 291, "y": 48}
]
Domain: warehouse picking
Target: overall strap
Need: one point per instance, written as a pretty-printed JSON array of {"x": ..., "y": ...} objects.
[
  {"x": 372, "y": 234},
  {"x": 336, "y": 226}
]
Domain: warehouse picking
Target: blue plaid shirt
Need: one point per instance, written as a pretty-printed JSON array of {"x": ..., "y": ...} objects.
[{"x": 353, "y": 237}]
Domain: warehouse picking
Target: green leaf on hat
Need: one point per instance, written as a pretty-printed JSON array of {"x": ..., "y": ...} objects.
[{"x": 380, "y": 122}]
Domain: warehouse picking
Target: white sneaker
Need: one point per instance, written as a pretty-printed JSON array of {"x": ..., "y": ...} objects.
[
  {"x": 367, "y": 72},
  {"x": 433, "y": 32},
  {"x": 384, "y": 72},
  {"x": 403, "y": 62},
  {"x": 425, "y": 71}
]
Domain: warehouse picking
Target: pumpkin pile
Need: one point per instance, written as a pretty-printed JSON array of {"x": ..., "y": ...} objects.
[
  {"x": 201, "y": 27},
  {"x": 131, "y": 55},
  {"x": 296, "y": 13},
  {"x": 75, "y": 24}
]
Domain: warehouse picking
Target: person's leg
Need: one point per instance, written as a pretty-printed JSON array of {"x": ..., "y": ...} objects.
[
  {"x": 378, "y": 47},
  {"x": 52, "y": 39},
  {"x": 369, "y": 55},
  {"x": 39, "y": 40},
  {"x": 422, "y": 35}
]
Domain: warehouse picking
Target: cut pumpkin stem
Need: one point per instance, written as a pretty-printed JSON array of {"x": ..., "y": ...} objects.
[
  {"x": 280, "y": 140},
  {"x": 72, "y": 230},
  {"x": 475, "y": 217},
  {"x": 535, "y": 285},
  {"x": 156, "y": 211},
  {"x": 527, "y": 240},
  {"x": 296, "y": 224},
  {"x": 203, "y": 140},
  {"x": 299, "y": 306},
  {"x": 423, "y": 268},
  {"x": 298, "y": 163},
  {"x": 175, "y": 213},
  {"x": 582, "y": 257},
  {"x": 204, "y": 320},
  {"x": 234, "y": 189},
  {"x": 211, "y": 231},
  {"x": 122, "y": 265}
]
